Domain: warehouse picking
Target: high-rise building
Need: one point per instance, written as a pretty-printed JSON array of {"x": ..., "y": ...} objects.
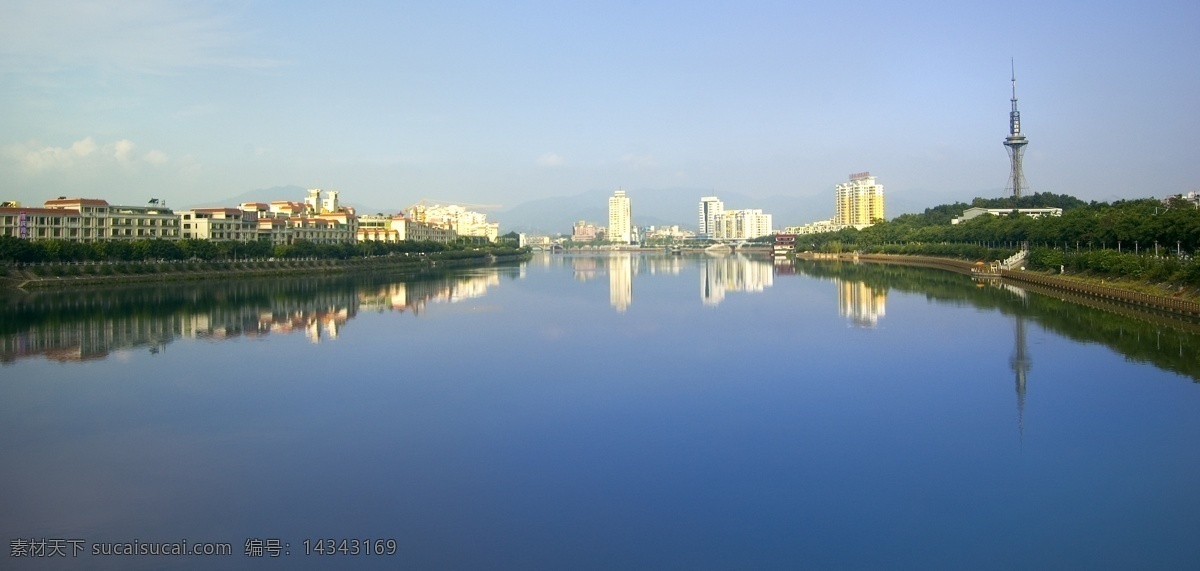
[
  {"x": 860, "y": 201},
  {"x": 710, "y": 207},
  {"x": 620, "y": 219}
]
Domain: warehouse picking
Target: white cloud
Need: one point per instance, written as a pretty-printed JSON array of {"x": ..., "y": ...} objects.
[
  {"x": 123, "y": 151},
  {"x": 551, "y": 160},
  {"x": 83, "y": 147},
  {"x": 155, "y": 157},
  {"x": 85, "y": 153},
  {"x": 39, "y": 158}
]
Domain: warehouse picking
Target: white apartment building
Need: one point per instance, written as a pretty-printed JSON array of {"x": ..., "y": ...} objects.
[
  {"x": 399, "y": 229},
  {"x": 818, "y": 227},
  {"x": 458, "y": 219},
  {"x": 741, "y": 224},
  {"x": 710, "y": 208},
  {"x": 88, "y": 220},
  {"x": 673, "y": 232},
  {"x": 620, "y": 219},
  {"x": 219, "y": 224},
  {"x": 42, "y": 223},
  {"x": 317, "y": 220}
]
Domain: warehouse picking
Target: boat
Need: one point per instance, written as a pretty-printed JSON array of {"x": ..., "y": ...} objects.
[{"x": 719, "y": 249}]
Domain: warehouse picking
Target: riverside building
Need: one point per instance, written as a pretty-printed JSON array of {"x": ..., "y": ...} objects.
[
  {"x": 710, "y": 208},
  {"x": 743, "y": 224},
  {"x": 457, "y": 219},
  {"x": 859, "y": 202},
  {"x": 373, "y": 228},
  {"x": 620, "y": 219},
  {"x": 317, "y": 219},
  {"x": 89, "y": 220},
  {"x": 219, "y": 224}
]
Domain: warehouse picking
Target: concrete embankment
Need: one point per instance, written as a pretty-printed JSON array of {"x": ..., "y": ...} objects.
[
  {"x": 26, "y": 278},
  {"x": 1066, "y": 285}
]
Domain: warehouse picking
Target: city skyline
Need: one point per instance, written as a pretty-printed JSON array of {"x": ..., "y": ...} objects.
[{"x": 502, "y": 104}]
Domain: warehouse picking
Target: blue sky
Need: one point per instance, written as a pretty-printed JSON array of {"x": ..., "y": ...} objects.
[{"x": 504, "y": 102}]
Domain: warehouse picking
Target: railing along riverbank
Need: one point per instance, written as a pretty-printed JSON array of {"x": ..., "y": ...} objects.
[{"x": 1146, "y": 300}]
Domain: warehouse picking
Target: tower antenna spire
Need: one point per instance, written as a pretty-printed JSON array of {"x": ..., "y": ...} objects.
[{"x": 1015, "y": 142}]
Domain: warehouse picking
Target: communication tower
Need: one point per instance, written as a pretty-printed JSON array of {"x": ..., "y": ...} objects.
[{"x": 1015, "y": 142}]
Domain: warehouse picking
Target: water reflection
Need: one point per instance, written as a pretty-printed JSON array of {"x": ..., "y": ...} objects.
[
  {"x": 735, "y": 273},
  {"x": 620, "y": 281},
  {"x": 412, "y": 296},
  {"x": 90, "y": 324},
  {"x": 718, "y": 274},
  {"x": 1169, "y": 342},
  {"x": 1021, "y": 364},
  {"x": 860, "y": 303}
]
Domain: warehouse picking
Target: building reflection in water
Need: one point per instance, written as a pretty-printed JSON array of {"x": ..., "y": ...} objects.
[
  {"x": 413, "y": 296},
  {"x": 620, "y": 281},
  {"x": 718, "y": 275},
  {"x": 583, "y": 268},
  {"x": 96, "y": 328},
  {"x": 860, "y": 303},
  {"x": 732, "y": 274}
]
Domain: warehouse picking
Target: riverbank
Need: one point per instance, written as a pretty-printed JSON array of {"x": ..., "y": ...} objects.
[
  {"x": 90, "y": 274},
  {"x": 1184, "y": 303}
]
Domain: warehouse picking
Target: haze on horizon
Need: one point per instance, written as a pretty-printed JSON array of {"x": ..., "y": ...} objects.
[{"x": 502, "y": 103}]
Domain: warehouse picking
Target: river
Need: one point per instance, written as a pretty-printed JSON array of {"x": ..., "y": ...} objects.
[{"x": 632, "y": 411}]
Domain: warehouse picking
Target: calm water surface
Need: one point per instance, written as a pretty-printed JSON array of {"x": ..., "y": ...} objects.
[{"x": 602, "y": 412}]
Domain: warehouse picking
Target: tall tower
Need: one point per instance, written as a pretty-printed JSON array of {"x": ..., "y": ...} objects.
[{"x": 1015, "y": 142}]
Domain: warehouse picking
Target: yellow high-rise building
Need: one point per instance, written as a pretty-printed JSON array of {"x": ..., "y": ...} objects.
[{"x": 860, "y": 201}]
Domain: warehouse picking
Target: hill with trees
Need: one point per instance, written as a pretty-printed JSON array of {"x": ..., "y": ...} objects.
[{"x": 1140, "y": 239}]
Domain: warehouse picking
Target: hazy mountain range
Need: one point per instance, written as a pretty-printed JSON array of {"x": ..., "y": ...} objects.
[{"x": 657, "y": 207}]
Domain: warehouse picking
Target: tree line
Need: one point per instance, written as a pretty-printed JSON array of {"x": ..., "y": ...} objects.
[
  {"x": 16, "y": 250},
  {"x": 1143, "y": 239}
]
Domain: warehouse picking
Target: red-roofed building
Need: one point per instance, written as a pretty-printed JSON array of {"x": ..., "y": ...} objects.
[{"x": 89, "y": 220}]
